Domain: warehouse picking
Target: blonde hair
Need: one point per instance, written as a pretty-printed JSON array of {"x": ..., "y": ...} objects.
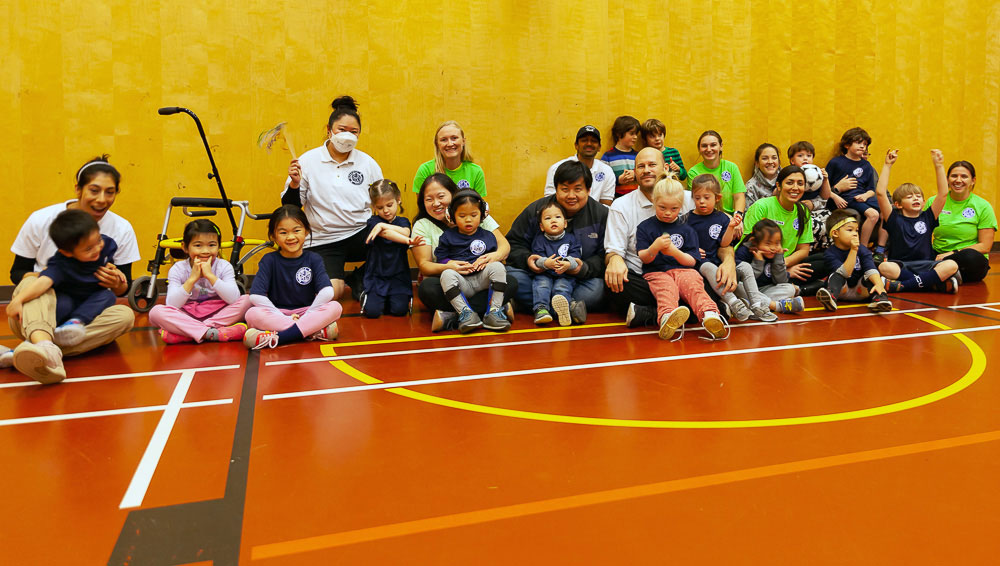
[
  {"x": 466, "y": 154},
  {"x": 905, "y": 190},
  {"x": 668, "y": 187},
  {"x": 710, "y": 182}
]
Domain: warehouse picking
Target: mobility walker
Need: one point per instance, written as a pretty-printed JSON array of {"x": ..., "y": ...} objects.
[{"x": 143, "y": 292}]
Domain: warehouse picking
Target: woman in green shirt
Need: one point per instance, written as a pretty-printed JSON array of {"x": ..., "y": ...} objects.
[
  {"x": 966, "y": 225},
  {"x": 728, "y": 174},
  {"x": 453, "y": 158}
]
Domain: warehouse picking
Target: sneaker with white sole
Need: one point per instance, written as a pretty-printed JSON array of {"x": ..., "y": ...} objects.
[
  {"x": 561, "y": 306},
  {"x": 578, "y": 312},
  {"x": 638, "y": 316},
  {"x": 672, "y": 321},
  {"x": 880, "y": 303},
  {"x": 6, "y": 357},
  {"x": 543, "y": 316},
  {"x": 258, "y": 339},
  {"x": 740, "y": 310},
  {"x": 825, "y": 298},
  {"x": 41, "y": 362},
  {"x": 69, "y": 333},
  {"x": 330, "y": 332},
  {"x": 468, "y": 321},
  {"x": 496, "y": 320}
]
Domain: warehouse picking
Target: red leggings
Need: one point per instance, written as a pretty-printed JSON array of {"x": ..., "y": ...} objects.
[{"x": 687, "y": 283}]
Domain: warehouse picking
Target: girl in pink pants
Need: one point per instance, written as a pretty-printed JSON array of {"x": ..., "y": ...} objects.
[
  {"x": 291, "y": 295},
  {"x": 203, "y": 300}
]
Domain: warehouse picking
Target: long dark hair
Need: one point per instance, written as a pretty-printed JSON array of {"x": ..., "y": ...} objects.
[
  {"x": 443, "y": 180},
  {"x": 801, "y": 212}
]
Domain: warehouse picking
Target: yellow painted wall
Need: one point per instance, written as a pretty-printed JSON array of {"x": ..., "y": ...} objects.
[{"x": 83, "y": 78}]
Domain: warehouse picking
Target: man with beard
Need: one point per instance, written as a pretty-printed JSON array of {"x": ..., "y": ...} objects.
[
  {"x": 630, "y": 293},
  {"x": 588, "y": 144}
]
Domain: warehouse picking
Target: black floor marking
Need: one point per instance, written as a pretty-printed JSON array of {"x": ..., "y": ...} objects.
[
  {"x": 946, "y": 309},
  {"x": 201, "y": 530}
]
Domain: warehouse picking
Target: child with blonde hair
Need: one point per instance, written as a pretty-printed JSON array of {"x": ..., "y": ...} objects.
[{"x": 668, "y": 248}]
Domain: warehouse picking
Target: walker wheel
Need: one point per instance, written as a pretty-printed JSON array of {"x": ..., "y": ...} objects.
[
  {"x": 137, "y": 294},
  {"x": 243, "y": 283}
]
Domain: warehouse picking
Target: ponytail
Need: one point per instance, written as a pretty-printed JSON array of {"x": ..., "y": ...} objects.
[
  {"x": 343, "y": 105},
  {"x": 801, "y": 214}
]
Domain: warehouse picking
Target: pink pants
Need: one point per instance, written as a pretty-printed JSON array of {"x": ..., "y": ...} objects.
[
  {"x": 194, "y": 319},
  {"x": 268, "y": 318},
  {"x": 688, "y": 283}
]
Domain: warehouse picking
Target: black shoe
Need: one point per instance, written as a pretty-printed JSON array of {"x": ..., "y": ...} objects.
[{"x": 639, "y": 316}]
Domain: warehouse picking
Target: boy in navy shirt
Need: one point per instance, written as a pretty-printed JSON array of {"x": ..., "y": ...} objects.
[
  {"x": 853, "y": 180},
  {"x": 856, "y": 277},
  {"x": 467, "y": 252},
  {"x": 669, "y": 252},
  {"x": 82, "y": 250},
  {"x": 912, "y": 264},
  {"x": 559, "y": 255}
]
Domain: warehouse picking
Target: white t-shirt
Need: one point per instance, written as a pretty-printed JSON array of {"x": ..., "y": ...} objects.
[
  {"x": 33, "y": 240},
  {"x": 603, "y": 186},
  {"x": 335, "y": 195}
]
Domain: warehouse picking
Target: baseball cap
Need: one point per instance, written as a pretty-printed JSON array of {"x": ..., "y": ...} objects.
[{"x": 588, "y": 130}]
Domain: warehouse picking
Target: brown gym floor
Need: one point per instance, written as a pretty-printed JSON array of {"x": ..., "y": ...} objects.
[{"x": 826, "y": 438}]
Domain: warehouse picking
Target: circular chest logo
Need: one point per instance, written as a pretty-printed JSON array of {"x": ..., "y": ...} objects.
[
  {"x": 677, "y": 240},
  {"x": 304, "y": 276},
  {"x": 564, "y": 250},
  {"x": 920, "y": 227},
  {"x": 463, "y": 184},
  {"x": 599, "y": 177},
  {"x": 767, "y": 270},
  {"x": 477, "y": 247},
  {"x": 356, "y": 177},
  {"x": 858, "y": 172},
  {"x": 969, "y": 213},
  {"x": 727, "y": 176},
  {"x": 795, "y": 224},
  {"x": 715, "y": 231}
]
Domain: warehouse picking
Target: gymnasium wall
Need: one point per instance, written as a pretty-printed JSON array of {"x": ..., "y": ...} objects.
[{"x": 84, "y": 78}]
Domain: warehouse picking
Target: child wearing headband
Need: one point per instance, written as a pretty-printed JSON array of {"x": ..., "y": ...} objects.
[{"x": 855, "y": 278}]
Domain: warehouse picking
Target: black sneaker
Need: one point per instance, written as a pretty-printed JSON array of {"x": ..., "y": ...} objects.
[
  {"x": 826, "y": 299},
  {"x": 638, "y": 316},
  {"x": 880, "y": 303}
]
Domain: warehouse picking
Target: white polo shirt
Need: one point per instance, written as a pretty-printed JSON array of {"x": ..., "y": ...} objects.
[
  {"x": 624, "y": 217},
  {"x": 33, "y": 240},
  {"x": 335, "y": 195},
  {"x": 603, "y": 186}
]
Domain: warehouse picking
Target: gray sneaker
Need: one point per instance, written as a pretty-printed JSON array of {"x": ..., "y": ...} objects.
[
  {"x": 468, "y": 321},
  {"x": 496, "y": 320},
  {"x": 6, "y": 356},
  {"x": 578, "y": 311},
  {"x": 763, "y": 314},
  {"x": 542, "y": 316},
  {"x": 41, "y": 362},
  {"x": 444, "y": 320},
  {"x": 739, "y": 310}
]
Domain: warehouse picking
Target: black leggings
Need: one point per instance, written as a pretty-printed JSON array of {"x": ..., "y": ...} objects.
[{"x": 972, "y": 264}]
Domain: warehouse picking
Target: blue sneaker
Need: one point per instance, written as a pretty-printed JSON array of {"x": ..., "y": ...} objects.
[{"x": 468, "y": 321}]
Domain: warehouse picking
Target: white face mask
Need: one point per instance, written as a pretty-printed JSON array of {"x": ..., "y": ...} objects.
[{"x": 344, "y": 141}]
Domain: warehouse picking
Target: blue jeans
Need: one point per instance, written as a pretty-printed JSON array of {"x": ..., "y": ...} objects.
[
  {"x": 544, "y": 287},
  {"x": 590, "y": 291}
]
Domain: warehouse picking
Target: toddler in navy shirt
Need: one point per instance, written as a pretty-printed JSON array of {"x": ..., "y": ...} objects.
[{"x": 559, "y": 255}]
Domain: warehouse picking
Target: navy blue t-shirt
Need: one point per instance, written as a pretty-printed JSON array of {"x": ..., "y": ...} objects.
[
  {"x": 743, "y": 253},
  {"x": 862, "y": 170},
  {"x": 290, "y": 282},
  {"x": 387, "y": 270},
  {"x": 453, "y": 245},
  {"x": 910, "y": 238},
  {"x": 835, "y": 257},
  {"x": 710, "y": 229},
  {"x": 683, "y": 237},
  {"x": 567, "y": 246},
  {"x": 76, "y": 278}
]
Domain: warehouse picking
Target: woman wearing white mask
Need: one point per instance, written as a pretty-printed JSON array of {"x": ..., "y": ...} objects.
[{"x": 330, "y": 183}]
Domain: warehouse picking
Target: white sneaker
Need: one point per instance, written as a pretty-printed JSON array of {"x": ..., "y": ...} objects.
[
  {"x": 41, "y": 362},
  {"x": 330, "y": 332},
  {"x": 715, "y": 326},
  {"x": 6, "y": 357}
]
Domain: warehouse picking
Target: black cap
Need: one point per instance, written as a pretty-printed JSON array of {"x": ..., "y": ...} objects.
[{"x": 588, "y": 130}]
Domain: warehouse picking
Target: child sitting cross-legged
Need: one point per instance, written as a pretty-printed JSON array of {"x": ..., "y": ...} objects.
[
  {"x": 559, "y": 255},
  {"x": 668, "y": 248},
  {"x": 762, "y": 250},
  {"x": 855, "y": 278}
]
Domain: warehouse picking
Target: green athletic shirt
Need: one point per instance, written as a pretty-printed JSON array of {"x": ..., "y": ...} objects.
[
  {"x": 729, "y": 177},
  {"x": 960, "y": 222},
  {"x": 467, "y": 176},
  {"x": 787, "y": 221}
]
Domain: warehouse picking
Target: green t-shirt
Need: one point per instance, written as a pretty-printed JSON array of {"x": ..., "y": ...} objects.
[
  {"x": 787, "y": 220},
  {"x": 729, "y": 177},
  {"x": 467, "y": 176},
  {"x": 960, "y": 222}
]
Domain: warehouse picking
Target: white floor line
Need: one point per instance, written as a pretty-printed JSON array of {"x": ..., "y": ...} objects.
[
  {"x": 108, "y": 413},
  {"x": 120, "y": 376},
  {"x": 630, "y": 333},
  {"x": 989, "y": 309},
  {"x": 618, "y": 363},
  {"x": 151, "y": 457}
]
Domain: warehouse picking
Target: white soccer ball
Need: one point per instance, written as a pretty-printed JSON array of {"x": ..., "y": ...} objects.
[{"x": 814, "y": 177}]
